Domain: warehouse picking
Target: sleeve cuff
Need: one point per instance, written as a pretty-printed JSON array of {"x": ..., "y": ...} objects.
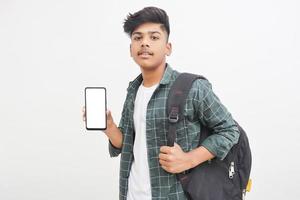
[{"x": 113, "y": 151}]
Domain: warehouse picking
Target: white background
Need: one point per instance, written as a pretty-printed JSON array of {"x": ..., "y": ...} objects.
[{"x": 51, "y": 50}]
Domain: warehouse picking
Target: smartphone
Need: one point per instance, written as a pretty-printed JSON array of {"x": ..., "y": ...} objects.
[{"x": 95, "y": 108}]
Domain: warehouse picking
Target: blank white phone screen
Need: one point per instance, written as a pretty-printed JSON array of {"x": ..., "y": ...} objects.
[{"x": 95, "y": 105}]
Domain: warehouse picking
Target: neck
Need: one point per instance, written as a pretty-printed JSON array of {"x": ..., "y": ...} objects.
[{"x": 154, "y": 75}]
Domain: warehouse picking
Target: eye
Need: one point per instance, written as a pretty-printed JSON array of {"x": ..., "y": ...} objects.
[
  {"x": 137, "y": 38},
  {"x": 154, "y": 37}
]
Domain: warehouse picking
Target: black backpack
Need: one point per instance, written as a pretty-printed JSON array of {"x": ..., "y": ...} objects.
[{"x": 213, "y": 179}]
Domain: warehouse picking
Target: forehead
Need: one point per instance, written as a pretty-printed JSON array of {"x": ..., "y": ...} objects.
[{"x": 148, "y": 28}]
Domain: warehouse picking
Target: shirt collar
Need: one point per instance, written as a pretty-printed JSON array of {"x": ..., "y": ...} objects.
[{"x": 133, "y": 85}]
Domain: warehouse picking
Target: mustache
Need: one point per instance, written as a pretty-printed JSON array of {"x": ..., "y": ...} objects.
[{"x": 145, "y": 51}]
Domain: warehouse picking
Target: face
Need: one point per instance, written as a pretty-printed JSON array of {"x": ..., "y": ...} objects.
[{"x": 149, "y": 46}]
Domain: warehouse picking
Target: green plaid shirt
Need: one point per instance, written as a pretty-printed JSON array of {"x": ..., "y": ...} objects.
[{"x": 202, "y": 107}]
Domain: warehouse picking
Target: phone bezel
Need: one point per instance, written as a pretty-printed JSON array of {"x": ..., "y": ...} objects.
[{"x": 95, "y": 129}]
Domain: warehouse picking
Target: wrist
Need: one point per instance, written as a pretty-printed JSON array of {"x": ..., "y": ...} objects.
[
  {"x": 195, "y": 157},
  {"x": 191, "y": 161},
  {"x": 199, "y": 155}
]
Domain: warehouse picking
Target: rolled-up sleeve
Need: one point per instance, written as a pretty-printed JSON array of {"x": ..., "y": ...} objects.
[
  {"x": 113, "y": 151},
  {"x": 213, "y": 114}
]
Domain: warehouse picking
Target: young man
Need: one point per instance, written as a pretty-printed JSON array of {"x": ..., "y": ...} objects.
[{"x": 148, "y": 166}]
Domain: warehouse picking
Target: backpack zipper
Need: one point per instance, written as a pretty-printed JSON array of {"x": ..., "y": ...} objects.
[
  {"x": 244, "y": 195},
  {"x": 231, "y": 170}
]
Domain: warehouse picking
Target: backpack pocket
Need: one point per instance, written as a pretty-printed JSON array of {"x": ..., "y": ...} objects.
[{"x": 211, "y": 181}]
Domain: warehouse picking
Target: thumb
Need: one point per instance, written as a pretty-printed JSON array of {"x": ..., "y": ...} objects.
[
  {"x": 109, "y": 116},
  {"x": 176, "y": 146}
]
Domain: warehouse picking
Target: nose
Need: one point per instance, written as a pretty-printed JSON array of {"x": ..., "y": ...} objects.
[
  {"x": 145, "y": 42},
  {"x": 145, "y": 45}
]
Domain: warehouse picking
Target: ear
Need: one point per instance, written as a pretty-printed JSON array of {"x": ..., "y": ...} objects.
[
  {"x": 168, "y": 49},
  {"x": 130, "y": 50}
]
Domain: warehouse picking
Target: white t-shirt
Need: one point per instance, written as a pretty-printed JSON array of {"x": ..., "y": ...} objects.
[{"x": 139, "y": 187}]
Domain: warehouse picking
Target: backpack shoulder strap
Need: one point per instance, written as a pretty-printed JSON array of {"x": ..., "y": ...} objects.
[{"x": 176, "y": 102}]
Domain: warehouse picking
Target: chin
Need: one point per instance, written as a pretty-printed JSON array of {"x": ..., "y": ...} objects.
[
  {"x": 145, "y": 64},
  {"x": 148, "y": 64}
]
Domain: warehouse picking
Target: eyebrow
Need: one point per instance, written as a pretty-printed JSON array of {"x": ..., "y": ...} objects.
[{"x": 149, "y": 32}]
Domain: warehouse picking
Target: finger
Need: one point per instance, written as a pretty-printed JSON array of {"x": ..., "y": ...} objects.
[
  {"x": 164, "y": 167},
  {"x": 167, "y": 169},
  {"x": 166, "y": 149},
  {"x": 164, "y": 163},
  {"x": 163, "y": 156},
  {"x": 83, "y": 113}
]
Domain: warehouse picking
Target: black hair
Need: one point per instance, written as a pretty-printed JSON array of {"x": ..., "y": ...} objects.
[{"x": 147, "y": 14}]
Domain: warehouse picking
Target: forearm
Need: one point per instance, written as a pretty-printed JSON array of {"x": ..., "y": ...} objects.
[
  {"x": 115, "y": 136},
  {"x": 198, "y": 156}
]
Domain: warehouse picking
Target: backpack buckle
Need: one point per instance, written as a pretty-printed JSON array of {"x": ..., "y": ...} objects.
[{"x": 173, "y": 116}]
